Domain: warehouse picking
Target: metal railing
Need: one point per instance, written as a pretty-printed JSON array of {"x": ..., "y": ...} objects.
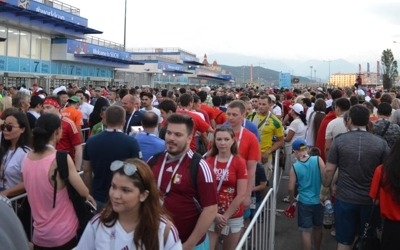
[
  {"x": 102, "y": 42},
  {"x": 260, "y": 233},
  {"x": 61, "y": 6}
]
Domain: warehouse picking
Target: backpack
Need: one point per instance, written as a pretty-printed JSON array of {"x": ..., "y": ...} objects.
[
  {"x": 83, "y": 210},
  {"x": 194, "y": 166}
]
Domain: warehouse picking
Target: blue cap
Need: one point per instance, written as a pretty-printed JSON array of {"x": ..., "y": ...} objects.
[{"x": 299, "y": 144}]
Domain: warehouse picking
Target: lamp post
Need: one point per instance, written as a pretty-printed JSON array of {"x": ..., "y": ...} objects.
[
  {"x": 311, "y": 67},
  {"x": 125, "y": 25},
  {"x": 329, "y": 69}
]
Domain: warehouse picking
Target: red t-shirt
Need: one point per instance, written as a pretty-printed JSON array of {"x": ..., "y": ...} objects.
[
  {"x": 320, "y": 140},
  {"x": 249, "y": 148},
  {"x": 73, "y": 114},
  {"x": 286, "y": 106},
  {"x": 389, "y": 208},
  {"x": 209, "y": 110},
  {"x": 70, "y": 137},
  {"x": 199, "y": 125},
  {"x": 219, "y": 116},
  {"x": 180, "y": 199},
  {"x": 228, "y": 191}
]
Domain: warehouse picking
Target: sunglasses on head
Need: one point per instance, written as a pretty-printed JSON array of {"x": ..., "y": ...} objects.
[
  {"x": 7, "y": 127},
  {"x": 129, "y": 168}
]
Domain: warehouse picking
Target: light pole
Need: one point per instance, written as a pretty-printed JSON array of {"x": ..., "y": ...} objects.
[
  {"x": 329, "y": 69},
  {"x": 125, "y": 25},
  {"x": 315, "y": 75},
  {"x": 311, "y": 67}
]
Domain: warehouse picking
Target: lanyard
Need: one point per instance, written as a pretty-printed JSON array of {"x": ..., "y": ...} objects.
[
  {"x": 173, "y": 173},
  {"x": 225, "y": 171},
  {"x": 128, "y": 123},
  {"x": 244, "y": 123},
  {"x": 240, "y": 137}
]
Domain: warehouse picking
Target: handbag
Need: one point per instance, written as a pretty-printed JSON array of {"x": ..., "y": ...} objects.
[
  {"x": 364, "y": 243},
  {"x": 83, "y": 209}
]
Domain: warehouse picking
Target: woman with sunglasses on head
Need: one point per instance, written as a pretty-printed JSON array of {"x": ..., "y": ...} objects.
[
  {"x": 231, "y": 180},
  {"x": 54, "y": 219},
  {"x": 133, "y": 218}
]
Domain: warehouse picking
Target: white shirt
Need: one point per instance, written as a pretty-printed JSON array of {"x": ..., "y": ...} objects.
[
  {"x": 86, "y": 109},
  {"x": 335, "y": 128},
  {"x": 276, "y": 110},
  {"x": 97, "y": 236},
  {"x": 12, "y": 167},
  {"x": 299, "y": 129}
]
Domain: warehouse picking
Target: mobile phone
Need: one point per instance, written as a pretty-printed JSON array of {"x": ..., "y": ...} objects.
[
  {"x": 136, "y": 129},
  {"x": 91, "y": 205}
]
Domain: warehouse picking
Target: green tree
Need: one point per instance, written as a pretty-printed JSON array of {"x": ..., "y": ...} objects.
[{"x": 389, "y": 69}]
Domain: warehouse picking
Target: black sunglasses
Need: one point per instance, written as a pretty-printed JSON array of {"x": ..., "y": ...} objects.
[{"x": 7, "y": 126}]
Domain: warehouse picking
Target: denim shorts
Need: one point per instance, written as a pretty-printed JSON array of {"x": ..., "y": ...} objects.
[
  {"x": 309, "y": 216},
  {"x": 350, "y": 220},
  {"x": 235, "y": 225}
]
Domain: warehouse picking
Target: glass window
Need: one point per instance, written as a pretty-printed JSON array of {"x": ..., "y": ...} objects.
[
  {"x": 12, "y": 42},
  {"x": 25, "y": 44},
  {"x": 46, "y": 48},
  {"x": 35, "y": 46},
  {"x": 3, "y": 34}
]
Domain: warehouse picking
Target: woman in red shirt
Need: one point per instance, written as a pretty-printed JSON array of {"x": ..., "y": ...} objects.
[
  {"x": 385, "y": 187},
  {"x": 231, "y": 180}
]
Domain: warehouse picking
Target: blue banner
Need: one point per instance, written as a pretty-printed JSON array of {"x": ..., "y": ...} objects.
[
  {"x": 285, "y": 80},
  {"x": 49, "y": 11},
  {"x": 171, "y": 66},
  {"x": 78, "y": 47}
]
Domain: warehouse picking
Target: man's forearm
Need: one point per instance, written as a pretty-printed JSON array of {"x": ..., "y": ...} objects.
[
  {"x": 78, "y": 157},
  {"x": 204, "y": 221}
]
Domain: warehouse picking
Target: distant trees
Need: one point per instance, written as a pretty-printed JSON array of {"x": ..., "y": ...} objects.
[{"x": 389, "y": 69}]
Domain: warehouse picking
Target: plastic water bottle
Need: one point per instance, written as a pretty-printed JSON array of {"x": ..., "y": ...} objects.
[{"x": 328, "y": 215}]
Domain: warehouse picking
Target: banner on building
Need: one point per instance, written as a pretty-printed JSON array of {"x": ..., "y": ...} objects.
[
  {"x": 367, "y": 69},
  {"x": 378, "y": 69}
]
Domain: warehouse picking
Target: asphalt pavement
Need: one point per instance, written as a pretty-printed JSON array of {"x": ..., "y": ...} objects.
[{"x": 287, "y": 235}]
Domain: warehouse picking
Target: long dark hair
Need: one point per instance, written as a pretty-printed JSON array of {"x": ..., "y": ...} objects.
[
  {"x": 391, "y": 172},
  {"x": 150, "y": 211},
  {"x": 319, "y": 109},
  {"x": 234, "y": 148},
  {"x": 25, "y": 139},
  {"x": 94, "y": 117},
  {"x": 45, "y": 127}
]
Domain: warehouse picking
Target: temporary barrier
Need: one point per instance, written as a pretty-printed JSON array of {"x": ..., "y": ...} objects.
[{"x": 260, "y": 233}]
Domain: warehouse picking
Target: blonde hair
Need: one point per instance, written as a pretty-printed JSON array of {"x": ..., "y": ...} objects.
[
  {"x": 6, "y": 102},
  {"x": 395, "y": 103}
]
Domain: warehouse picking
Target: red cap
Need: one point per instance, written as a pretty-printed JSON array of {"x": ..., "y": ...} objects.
[{"x": 289, "y": 95}]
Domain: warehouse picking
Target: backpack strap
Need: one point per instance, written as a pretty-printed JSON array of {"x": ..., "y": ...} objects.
[
  {"x": 154, "y": 159},
  {"x": 194, "y": 168},
  {"x": 62, "y": 167},
  {"x": 62, "y": 164},
  {"x": 252, "y": 116}
]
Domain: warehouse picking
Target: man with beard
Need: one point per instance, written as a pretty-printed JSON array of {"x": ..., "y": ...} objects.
[{"x": 192, "y": 210}]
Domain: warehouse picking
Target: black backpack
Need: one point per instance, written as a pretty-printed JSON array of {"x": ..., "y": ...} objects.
[
  {"x": 194, "y": 166},
  {"x": 83, "y": 211}
]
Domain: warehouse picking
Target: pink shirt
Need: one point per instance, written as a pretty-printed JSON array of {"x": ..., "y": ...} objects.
[{"x": 52, "y": 226}]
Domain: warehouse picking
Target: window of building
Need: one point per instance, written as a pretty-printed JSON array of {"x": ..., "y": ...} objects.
[
  {"x": 36, "y": 43},
  {"x": 13, "y": 42},
  {"x": 46, "y": 48},
  {"x": 25, "y": 44},
  {"x": 3, "y": 34}
]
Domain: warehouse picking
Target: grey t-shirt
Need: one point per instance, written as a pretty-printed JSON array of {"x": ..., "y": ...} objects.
[
  {"x": 356, "y": 154},
  {"x": 12, "y": 234}
]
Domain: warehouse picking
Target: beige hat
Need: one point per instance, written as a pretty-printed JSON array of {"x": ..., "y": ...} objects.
[{"x": 273, "y": 98}]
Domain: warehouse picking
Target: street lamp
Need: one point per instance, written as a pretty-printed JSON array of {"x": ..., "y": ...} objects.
[
  {"x": 311, "y": 67},
  {"x": 329, "y": 69},
  {"x": 125, "y": 25}
]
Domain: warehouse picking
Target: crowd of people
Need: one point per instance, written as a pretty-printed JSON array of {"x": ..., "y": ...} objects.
[{"x": 186, "y": 168}]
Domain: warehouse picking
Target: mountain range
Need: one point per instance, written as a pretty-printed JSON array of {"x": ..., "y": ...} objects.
[{"x": 267, "y": 70}]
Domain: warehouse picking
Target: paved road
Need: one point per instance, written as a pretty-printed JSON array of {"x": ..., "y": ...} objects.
[{"x": 287, "y": 235}]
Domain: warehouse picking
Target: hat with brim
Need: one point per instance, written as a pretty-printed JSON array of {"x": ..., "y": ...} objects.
[{"x": 74, "y": 99}]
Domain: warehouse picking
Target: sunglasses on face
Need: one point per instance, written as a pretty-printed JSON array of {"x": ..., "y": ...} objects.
[
  {"x": 129, "y": 168},
  {"x": 7, "y": 127}
]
